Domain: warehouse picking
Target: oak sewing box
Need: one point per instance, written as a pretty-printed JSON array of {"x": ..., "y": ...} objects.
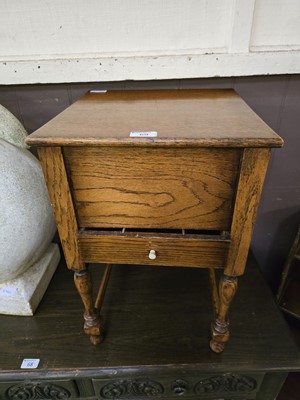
[{"x": 168, "y": 178}]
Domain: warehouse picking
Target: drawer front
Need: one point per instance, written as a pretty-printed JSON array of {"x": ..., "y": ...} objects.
[
  {"x": 190, "y": 188},
  {"x": 168, "y": 251}
]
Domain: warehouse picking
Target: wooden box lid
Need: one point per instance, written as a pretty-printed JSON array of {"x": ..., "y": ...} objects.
[{"x": 205, "y": 118}]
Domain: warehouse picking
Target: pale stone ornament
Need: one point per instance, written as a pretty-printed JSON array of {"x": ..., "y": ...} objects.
[{"x": 28, "y": 259}]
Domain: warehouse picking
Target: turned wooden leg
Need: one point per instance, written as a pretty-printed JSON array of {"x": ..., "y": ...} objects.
[
  {"x": 220, "y": 327},
  {"x": 214, "y": 290},
  {"x": 92, "y": 320},
  {"x": 102, "y": 287}
]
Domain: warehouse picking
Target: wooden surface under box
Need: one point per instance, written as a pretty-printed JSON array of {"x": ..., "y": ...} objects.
[{"x": 156, "y": 320}]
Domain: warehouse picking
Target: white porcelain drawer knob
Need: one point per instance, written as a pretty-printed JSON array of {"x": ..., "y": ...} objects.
[{"x": 152, "y": 254}]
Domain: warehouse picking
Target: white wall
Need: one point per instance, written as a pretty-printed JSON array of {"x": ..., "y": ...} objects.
[{"x": 52, "y": 41}]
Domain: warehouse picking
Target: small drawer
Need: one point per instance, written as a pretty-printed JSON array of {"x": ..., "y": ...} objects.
[{"x": 152, "y": 248}]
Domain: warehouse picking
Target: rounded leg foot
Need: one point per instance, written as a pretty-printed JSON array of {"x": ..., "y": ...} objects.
[
  {"x": 96, "y": 339},
  {"x": 216, "y": 347},
  {"x": 93, "y": 326}
]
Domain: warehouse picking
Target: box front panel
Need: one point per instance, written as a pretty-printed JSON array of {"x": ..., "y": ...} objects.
[{"x": 191, "y": 188}]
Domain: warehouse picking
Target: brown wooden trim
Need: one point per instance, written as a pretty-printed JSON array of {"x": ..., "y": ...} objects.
[
  {"x": 157, "y": 142},
  {"x": 224, "y": 236},
  {"x": 60, "y": 197},
  {"x": 253, "y": 169}
]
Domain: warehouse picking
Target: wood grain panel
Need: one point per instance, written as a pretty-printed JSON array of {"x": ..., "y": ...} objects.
[
  {"x": 61, "y": 201},
  {"x": 179, "y": 252},
  {"x": 253, "y": 170},
  {"x": 149, "y": 188}
]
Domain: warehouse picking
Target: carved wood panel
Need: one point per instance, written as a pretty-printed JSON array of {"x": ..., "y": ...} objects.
[
  {"x": 223, "y": 386},
  {"x": 37, "y": 391}
]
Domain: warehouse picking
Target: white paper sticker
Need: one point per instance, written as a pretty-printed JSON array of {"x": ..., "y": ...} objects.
[
  {"x": 98, "y": 91},
  {"x": 143, "y": 134},
  {"x": 7, "y": 291},
  {"x": 30, "y": 363}
]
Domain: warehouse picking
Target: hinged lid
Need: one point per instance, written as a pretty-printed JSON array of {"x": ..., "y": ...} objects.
[{"x": 214, "y": 118}]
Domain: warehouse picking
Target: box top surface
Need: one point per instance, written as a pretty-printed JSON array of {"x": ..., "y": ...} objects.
[{"x": 218, "y": 118}]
